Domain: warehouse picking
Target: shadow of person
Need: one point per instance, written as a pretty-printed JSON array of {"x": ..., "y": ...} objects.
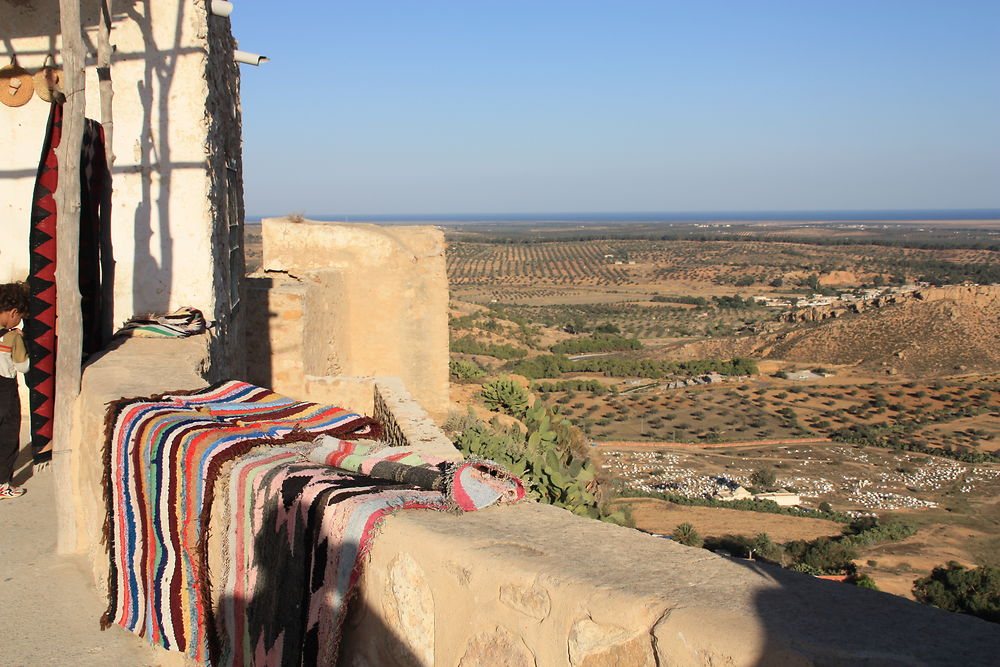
[{"x": 23, "y": 465}]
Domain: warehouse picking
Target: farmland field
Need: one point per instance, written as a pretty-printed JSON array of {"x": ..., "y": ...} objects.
[
  {"x": 900, "y": 425},
  {"x": 504, "y": 268}
]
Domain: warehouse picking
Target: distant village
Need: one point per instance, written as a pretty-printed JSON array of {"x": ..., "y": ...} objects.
[
  {"x": 659, "y": 471},
  {"x": 845, "y": 298}
]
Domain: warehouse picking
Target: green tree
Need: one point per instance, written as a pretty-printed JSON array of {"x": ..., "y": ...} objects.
[
  {"x": 766, "y": 549},
  {"x": 764, "y": 478},
  {"x": 823, "y": 555},
  {"x": 686, "y": 534},
  {"x": 956, "y": 588}
]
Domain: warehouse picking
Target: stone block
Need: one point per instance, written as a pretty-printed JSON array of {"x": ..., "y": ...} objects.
[
  {"x": 374, "y": 302},
  {"x": 497, "y": 648}
]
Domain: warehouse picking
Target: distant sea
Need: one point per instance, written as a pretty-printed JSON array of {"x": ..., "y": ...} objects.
[{"x": 897, "y": 215}]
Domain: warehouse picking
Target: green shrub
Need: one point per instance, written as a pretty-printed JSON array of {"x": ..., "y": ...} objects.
[
  {"x": 464, "y": 370},
  {"x": 686, "y": 534},
  {"x": 597, "y": 343},
  {"x": 505, "y": 395},
  {"x": 956, "y": 588},
  {"x": 469, "y": 345},
  {"x": 554, "y": 365}
]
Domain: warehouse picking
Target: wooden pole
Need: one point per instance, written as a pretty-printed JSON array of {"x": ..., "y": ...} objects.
[
  {"x": 107, "y": 93},
  {"x": 104, "y": 78},
  {"x": 69, "y": 321}
]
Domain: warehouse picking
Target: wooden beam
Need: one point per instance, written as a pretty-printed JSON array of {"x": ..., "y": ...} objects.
[{"x": 69, "y": 321}]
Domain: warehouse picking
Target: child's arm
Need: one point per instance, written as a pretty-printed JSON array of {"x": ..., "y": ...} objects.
[{"x": 18, "y": 352}]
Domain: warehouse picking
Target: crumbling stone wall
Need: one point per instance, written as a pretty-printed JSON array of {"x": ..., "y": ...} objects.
[
  {"x": 531, "y": 585},
  {"x": 350, "y": 300}
]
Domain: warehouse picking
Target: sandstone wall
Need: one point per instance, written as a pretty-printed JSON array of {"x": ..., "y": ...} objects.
[
  {"x": 350, "y": 300},
  {"x": 533, "y": 585}
]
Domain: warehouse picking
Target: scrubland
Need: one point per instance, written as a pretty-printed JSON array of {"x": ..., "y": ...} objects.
[{"x": 895, "y": 407}]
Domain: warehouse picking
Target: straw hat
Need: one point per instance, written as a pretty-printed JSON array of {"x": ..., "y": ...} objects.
[
  {"x": 48, "y": 82},
  {"x": 16, "y": 85}
]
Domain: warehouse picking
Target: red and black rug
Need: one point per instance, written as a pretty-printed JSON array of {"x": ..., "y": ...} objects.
[{"x": 40, "y": 327}]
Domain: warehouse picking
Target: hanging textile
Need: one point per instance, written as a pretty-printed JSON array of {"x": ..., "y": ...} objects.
[
  {"x": 95, "y": 214},
  {"x": 39, "y": 328}
]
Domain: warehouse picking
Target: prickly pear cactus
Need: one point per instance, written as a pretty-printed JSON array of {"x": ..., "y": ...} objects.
[
  {"x": 505, "y": 395},
  {"x": 543, "y": 459}
]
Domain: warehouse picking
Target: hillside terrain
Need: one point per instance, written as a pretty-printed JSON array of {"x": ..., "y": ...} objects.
[
  {"x": 849, "y": 362},
  {"x": 875, "y": 390},
  {"x": 913, "y": 337}
]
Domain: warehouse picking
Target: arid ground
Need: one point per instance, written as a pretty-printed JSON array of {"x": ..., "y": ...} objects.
[{"x": 905, "y": 387}]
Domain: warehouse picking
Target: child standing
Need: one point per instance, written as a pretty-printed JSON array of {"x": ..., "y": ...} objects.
[{"x": 13, "y": 360}]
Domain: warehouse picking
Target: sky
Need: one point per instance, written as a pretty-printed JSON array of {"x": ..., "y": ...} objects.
[{"x": 399, "y": 107}]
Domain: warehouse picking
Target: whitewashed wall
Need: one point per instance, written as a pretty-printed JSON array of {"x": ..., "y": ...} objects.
[{"x": 169, "y": 217}]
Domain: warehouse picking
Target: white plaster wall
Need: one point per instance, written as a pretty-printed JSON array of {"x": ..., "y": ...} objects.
[{"x": 162, "y": 205}]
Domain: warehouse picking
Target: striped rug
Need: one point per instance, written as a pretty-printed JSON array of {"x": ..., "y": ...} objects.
[
  {"x": 299, "y": 521},
  {"x": 162, "y": 460}
]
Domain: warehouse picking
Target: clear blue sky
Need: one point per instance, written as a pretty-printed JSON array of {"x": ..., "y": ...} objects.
[{"x": 503, "y": 106}]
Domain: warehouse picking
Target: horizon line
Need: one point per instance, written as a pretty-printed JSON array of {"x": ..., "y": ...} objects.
[{"x": 807, "y": 215}]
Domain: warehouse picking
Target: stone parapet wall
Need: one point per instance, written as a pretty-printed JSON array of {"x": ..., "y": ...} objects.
[
  {"x": 135, "y": 367},
  {"x": 274, "y": 312},
  {"x": 532, "y": 585},
  {"x": 406, "y": 422}
]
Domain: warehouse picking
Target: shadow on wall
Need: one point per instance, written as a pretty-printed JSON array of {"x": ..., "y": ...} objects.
[
  {"x": 276, "y": 621},
  {"x": 257, "y": 316},
  {"x": 158, "y": 76},
  {"x": 811, "y": 621}
]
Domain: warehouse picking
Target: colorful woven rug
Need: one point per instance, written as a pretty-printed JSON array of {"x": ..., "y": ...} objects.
[
  {"x": 94, "y": 258},
  {"x": 467, "y": 485},
  {"x": 183, "y": 322},
  {"x": 162, "y": 460},
  {"x": 298, "y": 529}
]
